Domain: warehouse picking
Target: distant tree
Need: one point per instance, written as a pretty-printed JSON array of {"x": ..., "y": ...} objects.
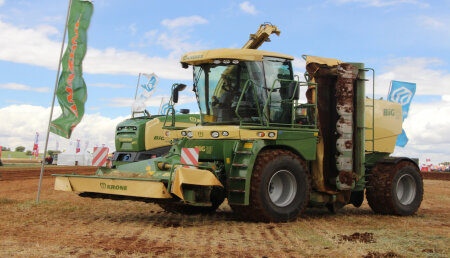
[
  {"x": 53, "y": 152},
  {"x": 20, "y": 149},
  {"x": 28, "y": 153}
]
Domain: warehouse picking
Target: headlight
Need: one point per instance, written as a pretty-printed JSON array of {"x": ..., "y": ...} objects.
[
  {"x": 271, "y": 134},
  {"x": 261, "y": 134},
  {"x": 183, "y": 133},
  {"x": 134, "y": 128},
  {"x": 119, "y": 128},
  {"x": 214, "y": 134},
  {"x": 190, "y": 134},
  {"x": 225, "y": 133}
]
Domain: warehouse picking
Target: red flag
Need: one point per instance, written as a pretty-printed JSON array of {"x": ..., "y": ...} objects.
[
  {"x": 78, "y": 146},
  {"x": 36, "y": 145}
]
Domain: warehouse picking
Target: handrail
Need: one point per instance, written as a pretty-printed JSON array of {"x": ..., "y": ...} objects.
[
  {"x": 236, "y": 111},
  {"x": 298, "y": 84},
  {"x": 373, "y": 106}
]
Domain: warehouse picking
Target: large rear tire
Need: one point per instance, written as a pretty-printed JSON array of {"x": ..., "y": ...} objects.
[
  {"x": 280, "y": 187},
  {"x": 395, "y": 189}
]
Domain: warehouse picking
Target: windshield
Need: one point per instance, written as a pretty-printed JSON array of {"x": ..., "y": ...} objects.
[{"x": 231, "y": 93}]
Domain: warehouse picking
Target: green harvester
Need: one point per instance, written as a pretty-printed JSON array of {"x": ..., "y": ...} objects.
[{"x": 270, "y": 143}]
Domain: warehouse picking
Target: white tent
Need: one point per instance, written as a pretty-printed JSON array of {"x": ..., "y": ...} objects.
[{"x": 70, "y": 158}]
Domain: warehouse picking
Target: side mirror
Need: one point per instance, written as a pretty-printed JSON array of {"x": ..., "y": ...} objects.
[
  {"x": 175, "y": 95},
  {"x": 184, "y": 111},
  {"x": 179, "y": 87}
]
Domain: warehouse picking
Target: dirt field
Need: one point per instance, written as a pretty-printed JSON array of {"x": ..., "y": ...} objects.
[
  {"x": 64, "y": 224},
  {"x": 14, "y": 173}
]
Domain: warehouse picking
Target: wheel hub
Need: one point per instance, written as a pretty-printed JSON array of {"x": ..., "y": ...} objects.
[
  {"x": 406, "y": 189},
  {"x": 282, "y": 188}
]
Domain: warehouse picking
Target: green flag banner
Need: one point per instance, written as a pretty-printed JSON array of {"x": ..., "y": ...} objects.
[{"x": 71, "y": 90}]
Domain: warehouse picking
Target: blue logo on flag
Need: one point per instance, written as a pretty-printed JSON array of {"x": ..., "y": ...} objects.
[
  {"x": 402, "y": 93},
  {"x": 164, "y": 109},
  {"x": 150, "y": 84}
]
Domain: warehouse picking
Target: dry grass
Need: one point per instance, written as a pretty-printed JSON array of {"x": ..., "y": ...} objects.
[{"x": 64, "y": 224}]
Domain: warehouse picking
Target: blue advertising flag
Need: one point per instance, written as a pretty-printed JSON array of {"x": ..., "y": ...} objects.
[
  {"x": 402, "y": 139},
  {"x": 402, "y": 93}
]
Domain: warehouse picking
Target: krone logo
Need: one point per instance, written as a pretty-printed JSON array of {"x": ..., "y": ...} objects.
[
  {"x": 401, "y": 95},
  {"x": 103, "y": 185}
]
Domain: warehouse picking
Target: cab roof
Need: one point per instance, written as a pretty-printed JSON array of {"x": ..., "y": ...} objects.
[{"x": 208, "y": 56}]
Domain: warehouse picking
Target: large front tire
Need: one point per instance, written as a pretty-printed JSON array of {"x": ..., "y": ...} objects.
[
  {"x": 280, "y": 188},
  {"x": 395, "y": 189}
]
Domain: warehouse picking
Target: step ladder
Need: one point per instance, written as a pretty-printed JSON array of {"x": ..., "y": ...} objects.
[{"x": 240, "y": 173}]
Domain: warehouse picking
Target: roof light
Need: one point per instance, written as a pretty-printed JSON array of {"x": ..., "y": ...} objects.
[
  {"x": 226, "y": 61},
  {"x": 216, "y": 61},
  {"x": 235, "y": 61}
]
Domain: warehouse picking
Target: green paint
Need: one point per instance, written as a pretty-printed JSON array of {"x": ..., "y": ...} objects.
[{"x": 130, "y": 133}]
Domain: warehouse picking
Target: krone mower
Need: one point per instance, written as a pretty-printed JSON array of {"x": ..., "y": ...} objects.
[{"x": 271, "y": 144}]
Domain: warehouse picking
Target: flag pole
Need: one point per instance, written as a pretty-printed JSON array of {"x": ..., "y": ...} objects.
[
  {"x": 137, "y": 86},
  {"x": 53, "y": 102},
  {"x": 160, "y": 106}
]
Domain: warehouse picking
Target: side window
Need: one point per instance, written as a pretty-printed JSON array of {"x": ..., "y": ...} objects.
[{"x": 276, "y": 70}]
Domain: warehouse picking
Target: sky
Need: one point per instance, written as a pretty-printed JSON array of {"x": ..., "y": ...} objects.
[{"x": 406, "y": 40}]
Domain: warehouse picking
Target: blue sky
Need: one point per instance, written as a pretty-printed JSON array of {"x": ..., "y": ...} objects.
[{"x": 402, "y": 39}]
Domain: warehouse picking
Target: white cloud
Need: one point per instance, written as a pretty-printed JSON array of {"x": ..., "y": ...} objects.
[
  {"x": 422, "y": 71},
  {"x": 178, "y": 43},
  {"x": 427, "y": 127},
  {"x": 114, "y": 61},
  {"x": 132, "y": 29},
  {"x": 108, "y": 85},
  {"x": 52, "y": 18},
  {"x": 187, "y": 21},
  {"x": 299, "y": 64},
  {"x": 154, "y": 101},
  {"x": 384, "y": 3},
  {"x": 247, "y": 7},
  {"x": 2, "y": 2},
  {"x": 24, "y": 120},
  {"x": 22, "y": 87},
  {"x": 446, "y": 98},
  {"x": 431, "y": 22},
  {"x": 34, "y": 46}
]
